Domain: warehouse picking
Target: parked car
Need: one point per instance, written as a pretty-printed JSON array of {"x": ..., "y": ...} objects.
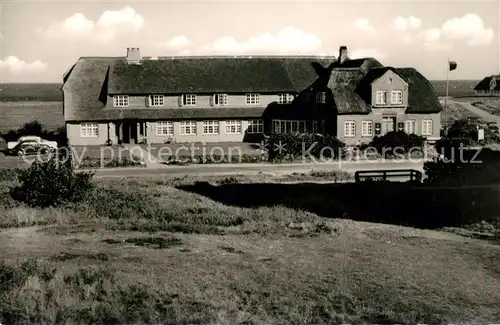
[
  {"x": 12, "y": 144},
  {"x": 30, "y": 147}
]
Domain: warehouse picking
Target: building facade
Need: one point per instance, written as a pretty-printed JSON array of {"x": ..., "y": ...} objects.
[{"x": 232, "y": 99}]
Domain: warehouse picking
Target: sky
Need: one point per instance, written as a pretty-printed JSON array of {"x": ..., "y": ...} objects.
[{"x": 40, "y": 40}]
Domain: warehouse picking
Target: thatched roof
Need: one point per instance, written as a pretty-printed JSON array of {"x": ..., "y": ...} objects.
[
  {"x": 88, "y": 83},
  {"x": 484, "y": 85},
  {"x": 351, "y": 89}
]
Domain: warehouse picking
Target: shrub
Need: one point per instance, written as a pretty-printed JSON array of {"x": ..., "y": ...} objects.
[
  {"x": 397, "y": 143},
  {"x": 51, "y": 183},
  {"x": 292, "y": 146}
]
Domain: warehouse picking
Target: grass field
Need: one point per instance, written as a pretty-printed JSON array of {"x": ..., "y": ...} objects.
[
  {"x": 149, "y": 250},
  {"x": 15, "y": 114}
]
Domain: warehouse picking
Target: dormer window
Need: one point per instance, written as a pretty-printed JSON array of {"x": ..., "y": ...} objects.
[
  {"x": 120, "y": 101},
  {"x": 381, "y": 97},
  {"x": 321, "y": 97},
  {"x": 188, "y": 100},
  {"x": 157, "y": 100},
  {"x": 253, "y": 99},
  {"x": 397, "y": 97},
  {"x": 284, "y": 98},
  {"x": 219, "y": 100}
]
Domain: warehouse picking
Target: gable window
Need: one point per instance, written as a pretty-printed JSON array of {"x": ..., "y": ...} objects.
[
  {"x": 219, "y": 100},
  {"x": 187, "y": 127},
  {"x": 255, "y": 126},
  {"x": 349, "y": 129},
  {"x": 289, "y": 126},
  {"x": 427, "y": 127},
  {"x": 189, "y": 100},
  {"x": 410, "y": 126},
  {"x": 397, "y": 97},
  {"x": 164, "y": 128},
  {"x": 381, "y": 97},
  {"x": 210, "y": 127},
  {"x": 120, "y": 101},
  {"x": 321, "y": 97},
  {"x": 89, "y": 130},
  {"x": 284, "y": 98},
  {"x": 367, "y": 129},
  {"x": 233, "y": 127},
  {"x": 253, "y": 99},
  {"x": 157, "y": 100}
]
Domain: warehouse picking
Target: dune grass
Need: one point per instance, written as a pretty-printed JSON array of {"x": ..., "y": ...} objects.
[{"x": 144, "y": 250}]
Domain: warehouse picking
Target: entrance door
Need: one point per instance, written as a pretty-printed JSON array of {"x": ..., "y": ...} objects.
[
  {"x": 129, "y": 131},
  {"x": 388, "y": 124}
]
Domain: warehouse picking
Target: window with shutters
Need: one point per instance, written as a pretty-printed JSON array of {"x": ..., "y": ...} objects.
[
  {"x": 189, "y": 100},
  {"x": 219, "y": 100},
  {"x": 381, "y": 97},
  {"x": 157, "y": 100},
  {"x": 410, "y": 126}
]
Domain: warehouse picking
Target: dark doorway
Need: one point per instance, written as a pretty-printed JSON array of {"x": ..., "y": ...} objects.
[{"x": 129, "y": 131}]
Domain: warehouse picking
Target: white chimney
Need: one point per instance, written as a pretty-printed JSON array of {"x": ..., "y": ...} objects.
[{"x": 133, "y": 55}]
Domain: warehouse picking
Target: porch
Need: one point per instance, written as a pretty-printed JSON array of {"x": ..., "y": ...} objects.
[{"x": 131, "y": 131}]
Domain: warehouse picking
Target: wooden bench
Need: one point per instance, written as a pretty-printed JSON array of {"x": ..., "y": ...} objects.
[{"x": 384, "y": 175}]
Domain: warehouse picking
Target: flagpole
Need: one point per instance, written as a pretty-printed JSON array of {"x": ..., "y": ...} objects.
[{"x": 446, "y": 99}]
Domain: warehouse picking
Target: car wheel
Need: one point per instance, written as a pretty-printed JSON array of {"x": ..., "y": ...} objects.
[
  {"x": 20, "y": 153},
  {"x": 44, "y": 151}
]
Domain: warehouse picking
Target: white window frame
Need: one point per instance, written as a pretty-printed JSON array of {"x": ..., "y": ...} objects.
[
  {"x": 321, "y": 97},
  {"x": 381, "y": 97},
  {"x": 220, "y": 99},
  {"x": 397, "y": 97},
  {"x": 89, "y": 130},
  {"x": 367, "y": 129},
  {"x": 187, "y": 128},
  {"x": 410, "y": 126},
  {"x": 284, "y": 98},
  {"x": 211, "y": 127},
  {"x": 164, "y": 128},
  {"x": 255, "y": 127},
  {"x": 349, "y": 129},
  {"x": 157, "y": 100},
  {"x": 121, "y": 101},
  {"x": 189, "y": 100},
  {"x": 234, "y": 127},
  {"x": 252, "y": 99},
  {"x": 289, "y": 126},
  {"x": 426, "y": 127}
]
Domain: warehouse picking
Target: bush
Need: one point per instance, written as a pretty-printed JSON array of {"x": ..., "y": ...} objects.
[
  {"x": 292, "y": 146},
  {"x": 51, "y": 183},
  {"x": 397, "y": 143}
]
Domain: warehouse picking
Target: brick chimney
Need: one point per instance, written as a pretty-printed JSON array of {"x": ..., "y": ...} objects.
[
  {"x": 133, "y": 55},
  {"x": 343, "y": 54}
]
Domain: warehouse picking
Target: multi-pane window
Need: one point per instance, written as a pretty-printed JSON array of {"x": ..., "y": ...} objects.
[
  {"x": 89, "y": 130},
  {"x": 189, "y": 100},
  {"x": 233, "y": 127},
  {"x": 367, "y": 129},
  {"x": 410, "y": 126},
  {"x": 284, "y": 98},
  {"x": 255, "y": 126},
  {"x": 397, "y": 97},
  {"x": 157, "y": 100},
  {"x": 427, "y": 127},
  {"x": 388, "y": 124},
  {"x": 253, "y": 99},
  {"x": 164, "y": 128},
  {"x": 321, "y": 97},
  {"x": 187, "y": 127},
  {"x": 315, "y": 126},
  {"x": 120, "y": 101},
  {"x": 349, "y": 128},
  {"x": 289, "y": 126},
  {"x": 381, "y": 97},
  {"x": 210, "y": 127},
  {"x": 219, "y": 100}
]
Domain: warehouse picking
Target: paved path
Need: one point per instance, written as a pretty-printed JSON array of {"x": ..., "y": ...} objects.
[
  {"x": 254, "y": 169},
  {"x": 487, "y": 117}
]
